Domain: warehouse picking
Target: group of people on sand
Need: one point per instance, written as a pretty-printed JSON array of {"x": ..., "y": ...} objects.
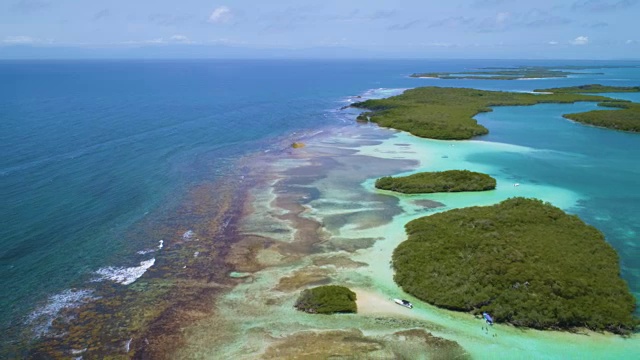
[{"x": 486, "y": 331}]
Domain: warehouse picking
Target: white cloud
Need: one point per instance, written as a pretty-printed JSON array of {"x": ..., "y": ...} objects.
[
  {"x": 629, "y": 42},
  {"x": 180, "y": 39},
  {"x": 220, "y": 15},
  {"x": 580, "y": 40},
  {"x": 17, "y": 40},
  {"x": 553, "y": 42},
  {"x": 175, "y": 39}
]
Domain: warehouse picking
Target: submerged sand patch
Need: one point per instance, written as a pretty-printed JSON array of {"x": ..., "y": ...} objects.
[
  {"x": 352, "y": 343},
  {"x": 373, "y": 303}
]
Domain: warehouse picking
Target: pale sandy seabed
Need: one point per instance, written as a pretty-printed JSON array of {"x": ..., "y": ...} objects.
[{"x": 315, "y": 218}]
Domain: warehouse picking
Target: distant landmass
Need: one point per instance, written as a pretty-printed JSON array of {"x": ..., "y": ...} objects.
[{"x": 518, "y": 73}]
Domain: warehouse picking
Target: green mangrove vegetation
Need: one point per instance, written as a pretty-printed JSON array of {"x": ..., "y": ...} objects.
[
  {"x": 447, "y": 113},
  {"x": 524, "y": 261},
  {"x": 443, "y": 181},
  {"x": 591, "y": 88},
  {"x": 517, "y": 73},
  {"x": 328, "y": 299},
  {"x": 625, "y": 118},
  {"x": 523, "y": 72}
]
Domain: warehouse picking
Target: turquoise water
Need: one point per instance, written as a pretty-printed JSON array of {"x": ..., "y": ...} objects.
[
  {"x": 600, "y": 165},
  {"x": 89, "y": 148}
]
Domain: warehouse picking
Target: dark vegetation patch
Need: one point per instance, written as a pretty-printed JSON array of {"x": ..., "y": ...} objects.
[
  {"x": 327, "y": 299},
  {"x": 626, "y": 118},
  {"x": 429, "y": 204},
  {"x": 525, "y": 72},
  {"x": 516, "y": 73},
  {"x": 591, "y": 88},
  {"x": 447, "y": 113},
  {"x": 523, "y": 261},
  {"x": 442, "y": 181}
]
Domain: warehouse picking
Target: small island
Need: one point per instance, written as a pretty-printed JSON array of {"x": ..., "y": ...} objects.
[
  {"x": 525, "y": 72},
  {"x": 328, "y": 299},
  {"x": 591, "y": 88},
  {"x": 525, "y": 262},
  {"x": 447, "y": 113},
  {"x": 433, "y": 182},
  {"x": 625, "y": 118},
  {"x": 517, "y": 73}
]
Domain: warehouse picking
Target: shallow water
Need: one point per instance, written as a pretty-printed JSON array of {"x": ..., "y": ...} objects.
[{"x": 259, "y": 313}]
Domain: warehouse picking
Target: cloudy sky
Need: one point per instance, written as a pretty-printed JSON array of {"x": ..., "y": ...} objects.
[{"x": 592, "y": 29}]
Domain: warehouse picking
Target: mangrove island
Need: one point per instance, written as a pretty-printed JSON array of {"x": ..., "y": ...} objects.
[
  {"x": 433, "y": 182},
  {"x": 327, "y": 299},
  {"x": 447, "y": 113},
  {"x": 517, "y": 73},
  {"x": 525, "y": 262},
  {"x": 591, "y": 88}
]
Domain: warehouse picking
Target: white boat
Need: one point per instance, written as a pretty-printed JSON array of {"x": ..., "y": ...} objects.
[{"x": 404, "y": 303}]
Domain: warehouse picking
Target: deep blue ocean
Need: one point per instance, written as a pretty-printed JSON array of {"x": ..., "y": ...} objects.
[{"x": 88, "y": 148}]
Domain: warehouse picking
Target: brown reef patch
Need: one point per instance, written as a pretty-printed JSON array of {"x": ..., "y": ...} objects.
[
  {"x": 353, "y": 344},
  {"x": 429, "y": 204},
  {"x": 339, "y": 261},
  {"x": 323, "y": 345},
  {"x": 350, "y": 244},
  {"x": 416, "y": 341},
  {"x": 308, "y": 276}
]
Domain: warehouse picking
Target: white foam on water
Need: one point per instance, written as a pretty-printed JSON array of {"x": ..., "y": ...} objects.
[
  {"x": 76, "y": 351},
  {"x": 147, "y": 251},
  {"x": 188, "y": 235},
  {"x": 382, "y": 93},
  {"x": 42, "y": 318},
  {"x": 125, "y": 275}
]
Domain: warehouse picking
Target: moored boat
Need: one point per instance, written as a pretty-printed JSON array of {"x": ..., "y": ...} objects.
[{"x": 404, "y": 303}]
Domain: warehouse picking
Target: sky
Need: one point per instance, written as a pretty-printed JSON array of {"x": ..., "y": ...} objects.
[{"x": 525, "y": 29}]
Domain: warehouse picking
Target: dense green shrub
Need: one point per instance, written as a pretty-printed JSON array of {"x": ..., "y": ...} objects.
[
  {"x": 327, "y": 299},
  {"x": 447, "y": 113},
  {"x": 524, "y": 72},
  {"x": 525, "y": 262},
  {"x": 443, "y": 181},
  {"x": 592, "y": 88},
  {"x": 626, "y": 119}
]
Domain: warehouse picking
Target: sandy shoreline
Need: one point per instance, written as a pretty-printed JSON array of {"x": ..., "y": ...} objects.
[{"x": 373, "y": 303}]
